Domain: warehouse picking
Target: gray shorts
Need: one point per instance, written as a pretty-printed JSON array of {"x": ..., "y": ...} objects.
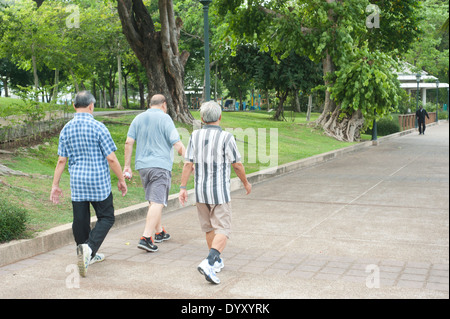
[{"x": 156, "y": 183}]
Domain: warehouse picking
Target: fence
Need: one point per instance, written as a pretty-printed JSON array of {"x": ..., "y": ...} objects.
[
  {"x": 408, "y": 121},
  {"x": 15, "y": 128}
]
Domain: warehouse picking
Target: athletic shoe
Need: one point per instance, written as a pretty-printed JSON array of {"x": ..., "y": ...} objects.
[
  {"x": 147, "y": 244},
  {"x": 162, "y": 236},
  {"x": 97, "y": 258},
  {"x": 218, "y": 265},
  {"x": 84, "y": 257},
  {"x": 208, "y": 271}
]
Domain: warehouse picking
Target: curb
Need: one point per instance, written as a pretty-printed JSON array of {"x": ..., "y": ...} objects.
[{"x": 62, "y": 235}]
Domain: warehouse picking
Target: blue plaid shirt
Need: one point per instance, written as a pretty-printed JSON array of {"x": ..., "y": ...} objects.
[{"x": 87, "y": 143}]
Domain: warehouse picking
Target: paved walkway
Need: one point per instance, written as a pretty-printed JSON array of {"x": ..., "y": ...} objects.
[{"x": 369, "y": 224}]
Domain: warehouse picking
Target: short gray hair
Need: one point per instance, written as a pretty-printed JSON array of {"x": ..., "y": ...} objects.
[
  {"x": 210, "y": 112},
  {"x": 83, "y": 99}
]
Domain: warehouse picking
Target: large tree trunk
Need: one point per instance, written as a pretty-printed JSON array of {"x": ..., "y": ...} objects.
[
  {"x": 158, "y": 52},
  {"x": 346, "y": 128}
]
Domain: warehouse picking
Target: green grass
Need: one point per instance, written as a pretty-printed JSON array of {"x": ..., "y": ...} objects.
[{"x": 296, "y": 140}]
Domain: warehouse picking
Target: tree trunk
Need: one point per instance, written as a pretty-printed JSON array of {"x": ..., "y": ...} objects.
[
  {"x": 158, "y": 52},
  {"x": 5, "y": 85},
  {"x": 308, "y": 112},
  {"x": 343, "y": 129},
  {"x": 35, "y": 75},
  {"x": 296, "y": 101},
  {"x": 279, "y": 114},
  {"x": 141, "y": 91},
  {"x": 119, "y": 71},
  {"x": 55, "y": 88}
]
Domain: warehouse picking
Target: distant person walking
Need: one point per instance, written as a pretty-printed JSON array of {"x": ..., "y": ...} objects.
[
  {"x": 88, "y": 147},
  {"x": 212, "y": 150},
  {"x": 420, "y": 115},
  {"x": 155, "y": 134}
]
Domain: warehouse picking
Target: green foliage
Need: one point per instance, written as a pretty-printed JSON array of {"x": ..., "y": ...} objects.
[
  {"x": 366, "y": 82},
  {"x": 357, "y": 58},
  {"x": 12, "y": 221}
]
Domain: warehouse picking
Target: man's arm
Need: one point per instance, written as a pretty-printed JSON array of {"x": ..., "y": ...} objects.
[
  {"x": 56, "y": 192},
  {"x": 128, "y": 152},
  {"x": 240, "y": 172},
  {"x": 117, "y": 169},
  {"x": 179, "y": 147}
]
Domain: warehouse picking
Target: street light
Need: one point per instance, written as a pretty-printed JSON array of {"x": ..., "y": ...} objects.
[
  {"x": 437, "y": 100},
  {"x": 418, "y": 76},
  {"x": 206, "y": 28},
  {"x": 447, "y": 106}
]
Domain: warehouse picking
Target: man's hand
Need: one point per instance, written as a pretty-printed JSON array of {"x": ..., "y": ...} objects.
[
  {"x": 122, "y": 187},
  {"x": 183, "y": 196},
  {"x": 55, "y": 194},
  {"x": 248, "y": 188},
  {"x": 127, "y": 173}
]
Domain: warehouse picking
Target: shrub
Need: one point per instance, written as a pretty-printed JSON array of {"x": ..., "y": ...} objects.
[
  {"x": 12, "y": 221},
  {"x": 386, "y": 126}
]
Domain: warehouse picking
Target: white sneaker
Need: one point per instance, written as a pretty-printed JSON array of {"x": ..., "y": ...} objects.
[
  {"x": 208, "y": 271},
  {"x": 97, "y": 258},
  {"x": 84, "y": 257},
  {"x": 218, "y": 265}
]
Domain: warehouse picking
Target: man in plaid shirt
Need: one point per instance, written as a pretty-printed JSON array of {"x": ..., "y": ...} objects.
[{"x": 88, "y": 147}]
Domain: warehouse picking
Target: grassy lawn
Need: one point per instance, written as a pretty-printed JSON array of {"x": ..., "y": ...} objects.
[{"x": 296, "y": 140}]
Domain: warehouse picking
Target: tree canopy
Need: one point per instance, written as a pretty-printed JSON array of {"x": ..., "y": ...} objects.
[{"x": 116, "y": 47}]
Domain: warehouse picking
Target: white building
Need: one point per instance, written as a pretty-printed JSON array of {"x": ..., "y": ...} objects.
[{"x": 409, "y": 81}]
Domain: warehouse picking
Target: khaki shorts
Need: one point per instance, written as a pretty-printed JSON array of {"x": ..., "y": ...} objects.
[{"x": 215, "y": 217}]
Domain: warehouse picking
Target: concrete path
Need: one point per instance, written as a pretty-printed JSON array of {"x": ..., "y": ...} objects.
[{"x": 369, "y": 224}]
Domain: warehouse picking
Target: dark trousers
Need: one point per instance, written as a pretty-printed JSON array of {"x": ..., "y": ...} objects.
[
  {"x": 81, "y": 226},
  {"x": 421, "y": 126}
]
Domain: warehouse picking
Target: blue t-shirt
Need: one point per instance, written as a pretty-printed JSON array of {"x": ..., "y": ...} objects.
[{"x": 155, "y": 135}]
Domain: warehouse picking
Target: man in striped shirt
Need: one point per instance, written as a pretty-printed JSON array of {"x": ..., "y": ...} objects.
[{"x": 212, "y": 150}]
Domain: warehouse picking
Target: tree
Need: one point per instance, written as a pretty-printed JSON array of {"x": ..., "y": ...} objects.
[
  {"x": 158, "y": 52},
  {"x": 333, "y": 32},
  {"x": 291, "y": 74},
  {"x": 431, "y": 53}
]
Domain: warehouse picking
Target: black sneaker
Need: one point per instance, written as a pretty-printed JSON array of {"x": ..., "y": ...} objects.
[
  {"x": 147, "y": 244},
  {"x": 162, "y": 236}
]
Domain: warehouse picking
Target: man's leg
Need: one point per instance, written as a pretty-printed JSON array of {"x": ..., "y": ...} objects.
[
  {"x": 153, "y": 218},
  {"x": 216, "y": 241},
  {"x": 104, "y": 211},
  {"x": 81, "y": 226}
]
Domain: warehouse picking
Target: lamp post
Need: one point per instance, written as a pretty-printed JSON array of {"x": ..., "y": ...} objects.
[
  {"x": 418, "y": 76},
  {"x": 206, "y": 28},
  {"x": 447, "y": 105},
  {"x": 437, "y": 100}
]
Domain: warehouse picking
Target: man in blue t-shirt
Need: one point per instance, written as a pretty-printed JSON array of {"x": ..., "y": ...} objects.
[{"x": 155, "y": 134}]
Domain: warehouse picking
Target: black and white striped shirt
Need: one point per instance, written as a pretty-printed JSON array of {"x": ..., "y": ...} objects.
[{"x": 212, "y": 150}]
